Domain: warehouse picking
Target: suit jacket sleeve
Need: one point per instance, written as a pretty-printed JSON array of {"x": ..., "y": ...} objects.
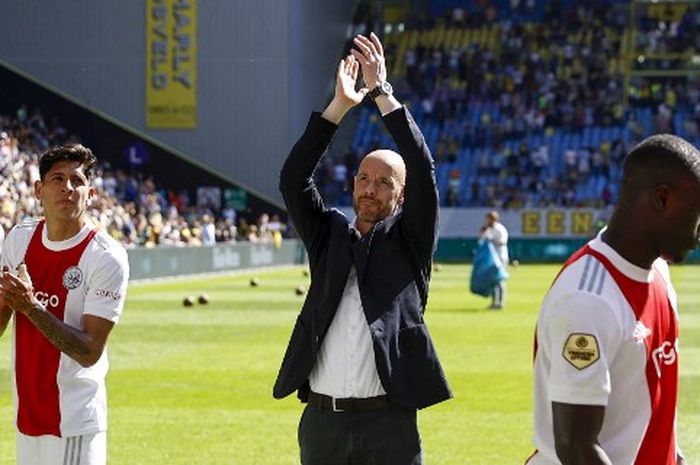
[
  {"x": 304, "y": 202},
  {"x": 420, "y": 206}
]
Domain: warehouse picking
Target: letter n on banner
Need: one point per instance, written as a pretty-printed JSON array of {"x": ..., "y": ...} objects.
[
  {"x": 171, "y": 64},
  {"x": 582, "y": 223}
]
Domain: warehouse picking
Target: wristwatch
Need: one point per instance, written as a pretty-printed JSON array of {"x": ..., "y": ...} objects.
[{"x": 383, "y": 88}]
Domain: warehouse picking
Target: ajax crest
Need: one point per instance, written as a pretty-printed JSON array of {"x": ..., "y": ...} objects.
[{"x": 72, "y": 278}]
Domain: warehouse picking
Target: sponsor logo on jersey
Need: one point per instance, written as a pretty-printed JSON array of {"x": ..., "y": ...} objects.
[
  {"x": 47, "y": 300},
  {"x": 115, "y": 295},
  {"x": 641, "y": 332},
  {"x": 665, "y": 354},
  {"x": 581, "y": 350},
  {"x": 72, "y": 278}
]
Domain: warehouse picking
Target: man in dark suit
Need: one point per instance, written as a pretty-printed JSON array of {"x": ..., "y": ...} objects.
[{"x": 360, "y": 353}]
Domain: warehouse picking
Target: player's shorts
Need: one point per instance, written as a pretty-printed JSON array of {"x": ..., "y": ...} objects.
[{"x": 88, "y": 449}]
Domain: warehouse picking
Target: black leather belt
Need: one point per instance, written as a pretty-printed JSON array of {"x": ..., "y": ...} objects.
[{"x": 333, "y": 404}]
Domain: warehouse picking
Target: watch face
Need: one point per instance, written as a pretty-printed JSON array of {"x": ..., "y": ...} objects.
[{"x": 383, "y": 88}]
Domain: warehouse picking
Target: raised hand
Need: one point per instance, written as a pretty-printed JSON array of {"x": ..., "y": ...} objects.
[
  {"x": 346, "y": 81},
  {"x": 16, "y": 291},
  {"x": 370, "y": 55},
  {"x": 346, "y": 93}
]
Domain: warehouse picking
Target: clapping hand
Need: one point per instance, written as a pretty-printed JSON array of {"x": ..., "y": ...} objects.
[
  {"x": 346, "y": 81},
  {"x": 346, "y": 94},
  {"x": 16, "y": 291},
  {"x": 370, "y": 55}
]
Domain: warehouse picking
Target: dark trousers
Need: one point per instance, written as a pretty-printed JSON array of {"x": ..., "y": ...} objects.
[{"x": 382, "y": 437}]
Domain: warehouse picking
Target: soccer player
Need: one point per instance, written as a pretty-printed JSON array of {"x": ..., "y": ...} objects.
[
  {"x": 65, "y": 282},
  {"x": 606, "y": 360}
]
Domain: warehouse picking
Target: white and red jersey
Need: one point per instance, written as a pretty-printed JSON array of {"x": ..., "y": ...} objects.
[
  {"x": 84, "y": 275},
  {"x": 607, "y": 334}
]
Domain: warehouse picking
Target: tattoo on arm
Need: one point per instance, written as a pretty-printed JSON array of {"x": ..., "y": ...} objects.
[{"x": 67, "y": 339}]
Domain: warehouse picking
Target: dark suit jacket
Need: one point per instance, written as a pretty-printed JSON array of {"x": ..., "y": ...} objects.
[{"x": 393, "y": 264}]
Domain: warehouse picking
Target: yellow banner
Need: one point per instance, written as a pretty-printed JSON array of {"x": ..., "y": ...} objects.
[{"x": 171, "y": 64}]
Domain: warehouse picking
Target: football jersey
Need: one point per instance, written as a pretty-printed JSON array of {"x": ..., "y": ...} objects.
[
  {"x": 607, "y": 334},
  {"x": 84, "y": 275}
]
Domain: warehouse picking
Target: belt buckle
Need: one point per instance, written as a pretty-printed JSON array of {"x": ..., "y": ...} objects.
[{"x": 335, "y": 407}]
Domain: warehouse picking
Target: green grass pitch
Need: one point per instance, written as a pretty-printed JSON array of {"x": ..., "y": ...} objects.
[{"x": 193, "y": 386}]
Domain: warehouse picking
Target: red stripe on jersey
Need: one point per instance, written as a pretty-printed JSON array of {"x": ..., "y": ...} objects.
[
  {"x": 651, "y": 305},
  {"x": 36, "y": 358}
]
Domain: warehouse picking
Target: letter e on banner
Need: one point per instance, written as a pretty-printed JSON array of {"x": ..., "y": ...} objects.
[
  {"x": 555, "y": 223},
  {"x": 531, "y": 223}
]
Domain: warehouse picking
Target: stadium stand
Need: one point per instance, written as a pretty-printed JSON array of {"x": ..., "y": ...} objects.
[
  {"x": 534, "y": 103},
  {"x": 135, "y": 211}
]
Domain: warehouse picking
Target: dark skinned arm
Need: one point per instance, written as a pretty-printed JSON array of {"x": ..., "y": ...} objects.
[{"x": 576, "y": 429}]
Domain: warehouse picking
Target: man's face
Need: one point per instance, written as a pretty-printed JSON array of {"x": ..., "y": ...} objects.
[
  {"x": 681, "y": 222},
  {"x": 378, "y": 189},
  {"x": 64, "y": 191}
]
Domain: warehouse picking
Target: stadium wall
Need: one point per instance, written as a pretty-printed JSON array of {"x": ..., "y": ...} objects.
[
  {"x": 263, "y": 65},
  {"x": 159, "y": 262},
  {"x": 524, "y": 250},
  {"x": 535, "y": 234}
]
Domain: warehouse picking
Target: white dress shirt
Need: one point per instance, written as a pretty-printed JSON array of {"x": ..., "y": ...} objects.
[{"x": 345, "y": 365}]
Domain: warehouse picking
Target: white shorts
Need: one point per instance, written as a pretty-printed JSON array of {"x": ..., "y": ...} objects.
[{"x": 88, "y": 449}]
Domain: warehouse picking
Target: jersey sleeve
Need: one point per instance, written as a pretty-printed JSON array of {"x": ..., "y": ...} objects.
[
  {"x": 5, "y": 256},
  {"x": 581, "y": 333},
  {"x": 9, "y": 254},
  {"x": 107, "y": 286}
]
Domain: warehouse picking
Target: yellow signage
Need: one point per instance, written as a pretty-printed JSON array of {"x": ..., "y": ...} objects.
[
  {"x": 557, "y": 222},
  {"x": 531, "y": 223},
  {"x": 582, "y": 223},
  {"x": 171, "y": 64}
]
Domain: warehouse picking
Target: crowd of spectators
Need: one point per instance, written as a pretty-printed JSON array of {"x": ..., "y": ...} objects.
[
  {"x": 528, "y": 106},
  {"x": 536, "y": 112},
  {"x": 667, "y": 33},
  {"x": 135, "y": 211}
]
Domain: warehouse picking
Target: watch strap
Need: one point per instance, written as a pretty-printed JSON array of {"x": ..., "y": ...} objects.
[{"x": 378, "y": 90}]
